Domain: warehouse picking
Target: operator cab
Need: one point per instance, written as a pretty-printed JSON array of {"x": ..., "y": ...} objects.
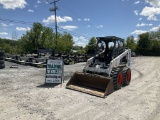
[{"x": 108, "y": 48}]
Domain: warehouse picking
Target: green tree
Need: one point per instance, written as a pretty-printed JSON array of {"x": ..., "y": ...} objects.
[
  {"x": 155, "y": 47},
  {"x": 38, "y": 37},
  {"x": 79, "y": 49},
  {"x": 91, "y": 44},
  {"x": 9, "y": 46},
  {"x": 65, "y": 43},
  {"x": 130, "y": 43},
  {"x": 144, "y": 44},
  {"x": 155, "y": 42},
  {"x": 154, "y": 35}
]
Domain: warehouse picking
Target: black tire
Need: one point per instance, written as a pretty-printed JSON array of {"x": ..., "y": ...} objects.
[
  {"x": 117, "y": 77},
  {"x": 2, "y": 66},
  {"x": 77, "y": 60},
  {"x": 127, "y": 76},
  {"x": 2, "y": 53},
  {"x": 2, "y": 58},
  {"x": 2, "y": 62},
  {"x": 66, "y": 62}
]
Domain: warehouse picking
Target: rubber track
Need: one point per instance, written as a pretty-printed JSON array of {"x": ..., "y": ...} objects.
[
  {"x": 125, "y": 76},
  {"x": 114, "y": 77}
]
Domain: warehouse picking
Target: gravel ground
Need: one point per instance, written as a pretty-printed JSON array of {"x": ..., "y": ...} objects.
[{"x": 23, "y": 95}]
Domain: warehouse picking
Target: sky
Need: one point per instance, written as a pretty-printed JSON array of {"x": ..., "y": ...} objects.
[{"x": 83, "y": 19}]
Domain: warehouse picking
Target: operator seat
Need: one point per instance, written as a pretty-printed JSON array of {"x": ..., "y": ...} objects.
[{"x": 108, "y": 56}]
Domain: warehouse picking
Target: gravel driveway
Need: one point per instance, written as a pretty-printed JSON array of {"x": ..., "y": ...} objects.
[{"x": 23, "y": 95}]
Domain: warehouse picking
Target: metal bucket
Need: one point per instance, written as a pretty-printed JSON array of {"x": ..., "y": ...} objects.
[{"x": 91, "y": 84}]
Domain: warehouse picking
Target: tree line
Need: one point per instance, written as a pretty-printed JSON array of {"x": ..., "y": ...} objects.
[
  {"x": 42, "y": 37},
  {"x": 148, "y": 44},
  {"x": 9, "y": 46}
]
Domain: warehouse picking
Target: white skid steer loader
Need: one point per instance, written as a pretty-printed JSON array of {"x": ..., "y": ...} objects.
[{"x": 107, "y": 71}]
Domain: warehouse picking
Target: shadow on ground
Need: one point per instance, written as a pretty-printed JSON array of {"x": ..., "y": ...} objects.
[{"x": 49, "y": 85}]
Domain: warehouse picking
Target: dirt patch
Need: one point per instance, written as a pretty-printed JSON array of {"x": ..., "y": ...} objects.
[{"x": 24, "y": 96}]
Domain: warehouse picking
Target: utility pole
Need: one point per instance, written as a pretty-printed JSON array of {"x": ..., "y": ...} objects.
[{"x": 55, "y": 8}]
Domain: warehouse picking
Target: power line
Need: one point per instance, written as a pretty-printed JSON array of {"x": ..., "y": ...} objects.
[
  {"x": 73, "y": 15},
  {"x": 16, "y": 21},
  {"x": 73, "y": 33},
  {"x": 22, "y": 22},
  {"x": 79, "y": 16},
  {"x": 31, "y": 23}
]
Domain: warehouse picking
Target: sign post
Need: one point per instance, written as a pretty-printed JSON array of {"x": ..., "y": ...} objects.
[{"x": 54, "y": 71}]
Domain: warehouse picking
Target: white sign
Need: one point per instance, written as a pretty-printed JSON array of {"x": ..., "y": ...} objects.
[{"x": 54, "y": 71}]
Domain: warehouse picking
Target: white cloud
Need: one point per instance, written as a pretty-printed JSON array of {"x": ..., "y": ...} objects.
[
  {"x": 147, "y": 11},
  {"x": 11, "y": 24},
  {"x": 3, "y": 33},
  {"x": 99, "y": 26},
  {"x": 136, "y": 38},
  {"x": 69, "y": 28},
  {"x": 143, "y": 24},
  {"x": 154, "y": 3},
  {"x": 79, "y": 19},
  {"x": 38, "y": 1},
  {"x": 138, "y": 32},
  {"x": 155, "y": 28},
  {"x": 13, "y": 4},
  {"x": 136, "y": 12},
  {"x": 3, "y": 24},
  {"x": 150, "y": 12},
  {"x": 46, "y": 1},
  {"x": 51, "y": 19},
  {"x": 152, "y": 17},
  {"x": 8, "y": 38},
  {"x": 64, "y": 19},
  {"x": 137, "y": 2},
  {"x": 23, "y": 29},
  {"x": 80, "y": 41},
  {"x": 140, "y": 19},
  {"x": 86, "y": 19},
  {"x": 36, "y": 6},
  {"x": 75, "y": 39},
  {"x": 88, "y": 26},
  {"x": 82, "y": 38},
  {"x": 30, "y": 10}
]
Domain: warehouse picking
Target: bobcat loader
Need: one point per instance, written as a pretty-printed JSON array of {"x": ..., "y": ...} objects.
[{"x": 107, "y": 71}]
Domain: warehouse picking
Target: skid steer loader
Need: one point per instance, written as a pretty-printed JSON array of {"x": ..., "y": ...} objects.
[{"x": 107, "y": 71}]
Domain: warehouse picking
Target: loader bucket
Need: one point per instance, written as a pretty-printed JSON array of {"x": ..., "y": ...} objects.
[{"x": 91, "y": 84}]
